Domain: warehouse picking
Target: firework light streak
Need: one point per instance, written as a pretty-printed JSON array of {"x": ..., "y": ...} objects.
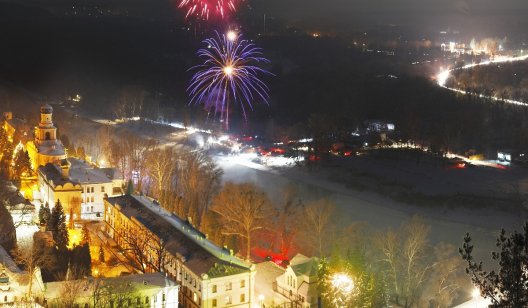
[
  {"x": 204, "y": 8},
  {"x": 228, "y": 74}
]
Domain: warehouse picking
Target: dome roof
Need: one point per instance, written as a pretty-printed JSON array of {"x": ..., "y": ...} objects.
[{"x": 46, "y": 109}]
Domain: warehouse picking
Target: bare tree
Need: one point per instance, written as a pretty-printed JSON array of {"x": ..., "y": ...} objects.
[
  {"x": 404, "y": 254},
  {"x": 31, "y": 257},
  {"x": 136, "y": 148},
  {"x": 199, "y": 180},
  {"x": 159, "y": 254},
  {"x": 317, "y": 219},
  {"x": 287, "y": 224},
  {"x": 447, "y": 277},
  {"x": 111, "y": 293},
  {"x": 69, "y": 292},
  {"x": 161, "y": 166},
  {"x": 137, "y": 245},
  {"x": 243, "y": 209}
]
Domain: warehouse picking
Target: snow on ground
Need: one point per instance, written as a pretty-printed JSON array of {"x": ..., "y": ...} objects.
[{"x": 447, "y": 225}]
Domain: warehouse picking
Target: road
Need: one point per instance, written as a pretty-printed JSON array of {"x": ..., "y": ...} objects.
[{"x": 443, "y": 76}]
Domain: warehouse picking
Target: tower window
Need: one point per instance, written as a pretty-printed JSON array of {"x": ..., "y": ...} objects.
[{"x": 48, "y": 136}]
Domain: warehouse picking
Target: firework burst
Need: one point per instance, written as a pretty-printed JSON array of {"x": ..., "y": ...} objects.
[
  {"x": 206, "y": 8},
  {"x": 228, "y": 74}
]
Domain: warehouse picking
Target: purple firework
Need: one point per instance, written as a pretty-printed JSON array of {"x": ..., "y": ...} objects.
[{"x": 228, "y": 74}]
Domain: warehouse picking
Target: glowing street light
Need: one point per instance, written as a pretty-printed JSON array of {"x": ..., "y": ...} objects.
[
  {"x": 342, "y": 287},
  {"x": 343, "y": 283},
  {"x": 475, "y": 293},
  {"x": 261, "y": 298}
]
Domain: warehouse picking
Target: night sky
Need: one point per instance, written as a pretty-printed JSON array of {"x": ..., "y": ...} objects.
[{"x": 341, "y": 14}]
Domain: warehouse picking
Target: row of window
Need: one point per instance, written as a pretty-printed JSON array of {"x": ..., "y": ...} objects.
[
  {"x": 229, "y": 300},
  {"x": 292, "y": 282},
  {"x": 88, "y": 199},
  {"x": 91, "y": 189},
  {"x": 229, "y": 286}
]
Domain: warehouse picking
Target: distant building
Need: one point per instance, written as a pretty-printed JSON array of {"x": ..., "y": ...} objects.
[
  {"x": 508, "y": 156},
  {"x": 46, "y": 148},
  {"x": 79, "y": 186},
  {"x": 375, "y": 126},
  {"x": 210, "y": 276},
  {"x": 17, "y": 129}
]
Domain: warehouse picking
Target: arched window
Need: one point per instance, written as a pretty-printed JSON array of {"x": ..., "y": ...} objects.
[{"x": 48, "y": 136}]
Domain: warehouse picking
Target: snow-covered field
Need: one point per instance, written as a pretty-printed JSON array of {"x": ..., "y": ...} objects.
[{"x": 447, "y": 225}]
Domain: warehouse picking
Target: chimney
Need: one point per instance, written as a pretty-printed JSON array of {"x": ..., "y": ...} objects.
[{"x": 65, "y": 168}]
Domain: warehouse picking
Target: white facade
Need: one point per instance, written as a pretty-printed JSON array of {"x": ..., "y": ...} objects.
[
  {"x": 80, "y": 186},
  {"x": 92, "y": 195},
  {"x": 209, "y": 276}
]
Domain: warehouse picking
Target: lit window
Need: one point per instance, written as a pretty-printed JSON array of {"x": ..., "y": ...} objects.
[
  {"x": 214, "y": 288},
  {"x": 242, "y": 283},
  {"x": 102, "y": 189},
  {"x": 228, "y": 286},
  {"x": 242, "y": 297},
  {"x": 214, "y": 302},
  {"x": 195, "y": 297},
  {"x": 228, "y": 300}
]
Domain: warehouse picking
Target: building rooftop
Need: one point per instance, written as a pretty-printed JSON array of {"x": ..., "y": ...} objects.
[
  {"x": 303, "y": 265},
  {"x": 85, "y": 173},
  {"x": 17, "y": 123},
  {"x": 267, "y": 274},
  {"x": 201, "y": 255},
  {"x": 51, "y": 148},
  {"x": 132, "y": 282},
  {"x": 52, "y": 173}
]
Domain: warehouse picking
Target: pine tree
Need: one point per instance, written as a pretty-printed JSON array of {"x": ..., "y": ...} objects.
[
  {"x": 44, "y": 214},
  {"x": 81, "y": 261},
  {"x": 7, "y": 156},
  {"x": 85, "y": 235},
  {"x": 130, "y": 188},
  {"x": 101, "y": 254},
  {"x": 57, "y": 224},
  {"x": 22, "y": 164},
  {"x": 505, "y": 287}
]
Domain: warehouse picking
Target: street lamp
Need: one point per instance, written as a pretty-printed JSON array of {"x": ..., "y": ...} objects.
[
  {"x": 342, "y": 287},
  {"x": 343, "y": 283},
  {"x": 475, "y": 294}
]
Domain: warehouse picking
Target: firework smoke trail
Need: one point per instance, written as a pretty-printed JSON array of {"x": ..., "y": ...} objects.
[
  {"x": 228, "y": 74},
  {"x": 205, "y": 8}
]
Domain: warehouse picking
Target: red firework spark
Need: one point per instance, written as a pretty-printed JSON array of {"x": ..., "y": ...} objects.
[{"x": 205, "y": 8}]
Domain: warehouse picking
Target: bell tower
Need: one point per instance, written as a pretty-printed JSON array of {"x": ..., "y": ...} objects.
[{"x": 46, "y": 131}]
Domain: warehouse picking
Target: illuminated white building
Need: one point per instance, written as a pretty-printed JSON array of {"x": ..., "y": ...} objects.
[
  {"x": 79, "y": 186},
  {"x": 209, "y": 276},
  {"x": 295, "y": 285}
]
